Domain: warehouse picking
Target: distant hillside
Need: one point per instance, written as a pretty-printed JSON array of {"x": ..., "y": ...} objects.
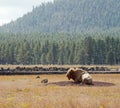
[{"x": 69, "y": 16}]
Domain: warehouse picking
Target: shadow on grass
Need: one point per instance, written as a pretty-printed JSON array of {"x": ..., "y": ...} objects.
[{"x": 71, "y": 83}]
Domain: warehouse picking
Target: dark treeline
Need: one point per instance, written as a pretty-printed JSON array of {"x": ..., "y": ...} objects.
[
  {"x": 53, "y": 49},
  {"x": 68, "y": 16}
]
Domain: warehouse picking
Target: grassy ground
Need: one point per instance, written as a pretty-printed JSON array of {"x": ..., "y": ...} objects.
[{"x": 28, "y": 92}]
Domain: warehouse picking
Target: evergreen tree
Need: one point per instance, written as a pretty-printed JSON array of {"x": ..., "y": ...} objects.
[{"x": 110, "y": 58}]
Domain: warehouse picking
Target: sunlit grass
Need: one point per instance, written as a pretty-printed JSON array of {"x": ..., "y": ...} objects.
[{"x": 28, "y": 92}]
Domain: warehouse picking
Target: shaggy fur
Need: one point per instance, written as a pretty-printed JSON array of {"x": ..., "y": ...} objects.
[
  {"x": 75, "y": 74},
  {"x": 79, "y": 75},
  {"x": 87, "y": 79}
]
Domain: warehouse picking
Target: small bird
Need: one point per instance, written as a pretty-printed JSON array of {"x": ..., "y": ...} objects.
[
  {"x": 44, "y": 81},
  {"x": 37, "y": 77}
]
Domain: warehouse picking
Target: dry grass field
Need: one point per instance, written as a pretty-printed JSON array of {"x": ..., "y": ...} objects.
[{"x": 28, "y": 92}]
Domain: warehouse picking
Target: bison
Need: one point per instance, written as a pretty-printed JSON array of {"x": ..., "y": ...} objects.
[{"x": 79, "y": 76}]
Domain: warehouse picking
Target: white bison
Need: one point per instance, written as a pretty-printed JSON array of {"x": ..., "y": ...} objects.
[{"x": 87, "y": 79}]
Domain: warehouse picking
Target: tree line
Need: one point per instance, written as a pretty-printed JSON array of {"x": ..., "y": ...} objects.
[
  {"x": 68, "y": 16},
  {"x": 53, "y": 49}
]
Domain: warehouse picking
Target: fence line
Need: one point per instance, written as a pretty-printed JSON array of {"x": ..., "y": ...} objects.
[{"x": 51, "y": 72}]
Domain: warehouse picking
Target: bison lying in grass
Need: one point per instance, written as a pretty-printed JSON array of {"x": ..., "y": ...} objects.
[{"x": 79, "y": 76}]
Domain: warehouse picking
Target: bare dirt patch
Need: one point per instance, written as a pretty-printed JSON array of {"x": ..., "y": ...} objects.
[{"x": 71, "y": 83}]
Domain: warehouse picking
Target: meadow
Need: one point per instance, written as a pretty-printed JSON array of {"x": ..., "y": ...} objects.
[{"x": 26, "y": 91}]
